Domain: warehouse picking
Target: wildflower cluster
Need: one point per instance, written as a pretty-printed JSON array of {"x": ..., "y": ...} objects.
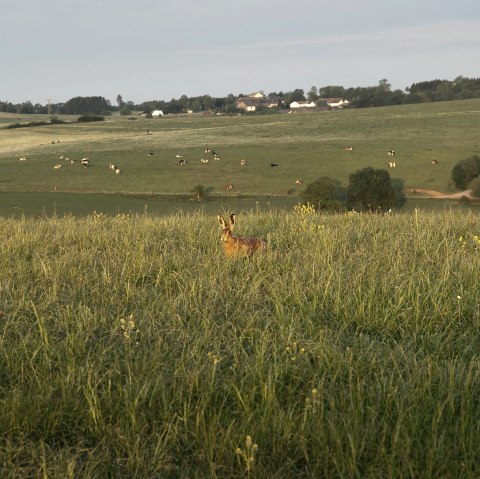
[
  {"x": 129, "y": 330},
  {"x": 304, "y": 210},
  {"x": 293, "y": 351},
  {"x": 213, "y": 357},
  {"x": 247, "y": 456},
  {"x": 98, "y": 216},
  {"x": 472, "y": 241},
  {"x": 308, "y": 219},
  {"x": 312, "y": 400},
  {"x": 123, "y": 216}
]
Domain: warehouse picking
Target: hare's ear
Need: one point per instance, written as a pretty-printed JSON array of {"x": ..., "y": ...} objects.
[
  {"x": 232, "y": 220},
  {"x": 222, "y": 222}
]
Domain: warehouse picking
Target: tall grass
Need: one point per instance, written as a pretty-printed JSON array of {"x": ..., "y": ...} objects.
[{"x": 129, "y": 347}]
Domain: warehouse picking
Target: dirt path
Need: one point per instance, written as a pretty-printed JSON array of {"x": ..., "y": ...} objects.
[{"x": 439, "y": 194}]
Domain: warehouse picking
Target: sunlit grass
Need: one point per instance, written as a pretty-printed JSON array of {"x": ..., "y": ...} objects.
[{"x": 130, "y": 347}]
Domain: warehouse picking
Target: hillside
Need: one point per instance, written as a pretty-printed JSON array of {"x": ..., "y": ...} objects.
[{"x": 304, "y": 146}]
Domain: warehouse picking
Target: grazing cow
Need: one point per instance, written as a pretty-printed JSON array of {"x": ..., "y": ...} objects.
[
  {"x": 85, "y": 162},
  {"x": 112, "y": 167},
  {"x": 298, "y": 181},
  {"x": 349, "y": 148},
  {"x": 23, "y": 158},
  {"x": 117, "y": 171},
  {"x": 150, "y": 153},
  {"x": 392, "y": 164},
  {"x": 243, "y": 162},
  {"x": 181, "y": 162},
  {"x": 216, "y": 157},
  {"x": 228, "y": 186},
  {"x": 391, "y": 153},
  {"x": 273, "y": 165},
  {"x": 203, "y": 160},
  {"x": 57, "y": 166},
  {"x": 207, "y": 149},
  {"x": 434, "y": 162},
  {"x": 178, "y": 155}
]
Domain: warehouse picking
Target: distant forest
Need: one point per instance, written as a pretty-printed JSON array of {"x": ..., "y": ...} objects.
[{"x": 359, "y": 97}]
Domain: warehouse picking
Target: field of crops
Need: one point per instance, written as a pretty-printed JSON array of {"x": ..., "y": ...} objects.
[{"x": 129, "y": 347}]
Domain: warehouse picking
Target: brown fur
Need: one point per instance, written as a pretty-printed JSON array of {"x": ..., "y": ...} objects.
[{"x": 233, "y": 246}]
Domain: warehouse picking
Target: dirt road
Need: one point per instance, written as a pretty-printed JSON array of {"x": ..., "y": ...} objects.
[{"x": 439, "y": 194}]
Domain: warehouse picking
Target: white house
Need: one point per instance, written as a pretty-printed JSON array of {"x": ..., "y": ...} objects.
[
  {"x": 157, "y": 113},
  {"x": 302, "y": 104},
  {"x": 338, "y": 103}
]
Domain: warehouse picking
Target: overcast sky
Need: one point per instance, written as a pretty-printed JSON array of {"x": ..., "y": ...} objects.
[{"x": 163, "y": 49}]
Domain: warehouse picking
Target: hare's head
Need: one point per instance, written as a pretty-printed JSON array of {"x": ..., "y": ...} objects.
[{"x": 226, "y": 227}]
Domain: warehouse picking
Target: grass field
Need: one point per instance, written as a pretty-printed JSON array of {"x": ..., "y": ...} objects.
[
  {"x": 305, "y": 146},
  {"x": 130, "y": 348}
]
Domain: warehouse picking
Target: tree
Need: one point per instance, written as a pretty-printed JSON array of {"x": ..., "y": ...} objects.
[
  {"x": 199, "y": 192},
  {"x": 81, "y": 105},
  {"x": 322, "y": 194},
  {"x": 120, "y": 101},
  {"x": 465, "y": 171},
  {"x": 147, "y": 111},
  {"x": 125, "y": 111},
  {"x": 371, "y": 190},
  {"x": 295, "y": 95},
  {"x": 312, "y": 94}
]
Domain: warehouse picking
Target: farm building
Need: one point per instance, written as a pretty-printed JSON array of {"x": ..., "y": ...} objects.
[
  {"x": 333, "y": 102},
  {"x": 302, "y": 104},
  {"x": 157, "y": 113},
  {"x": 256, "y": 100}
]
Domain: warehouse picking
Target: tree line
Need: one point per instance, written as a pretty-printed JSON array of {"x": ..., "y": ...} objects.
[{"x": 359, "y": 97}]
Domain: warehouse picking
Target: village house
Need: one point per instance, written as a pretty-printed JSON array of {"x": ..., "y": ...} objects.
[
  {"x": 302, "y": 104},
  {"x": 335, "y": 103},
  {"x": 255, "y": 101}
]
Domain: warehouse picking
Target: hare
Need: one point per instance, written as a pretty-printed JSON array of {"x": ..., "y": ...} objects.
[{"x": 234, "y": 246}]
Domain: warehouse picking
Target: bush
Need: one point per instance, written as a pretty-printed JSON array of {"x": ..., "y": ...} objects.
[
  {"x": 199, "y": 192},
  {"x": 475, "y": 187},
  {"x": 87, "y": 118},
  {"x": 371, "y": 190},
  {"x": 125, "y": 111},
  {"x": 322, "y": 194},
  {"x": 465, "y": 171}
]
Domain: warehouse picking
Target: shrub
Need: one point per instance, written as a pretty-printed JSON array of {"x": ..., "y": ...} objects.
[
  {"x": 322, "y": 194},
  {"x": 125, "y": 111},
  {"x": 199, "y": 192},
  {"x": 465, "y": 171},
  {"x": 371, "y": 190},
  {"x": 87, "y": 118},
  {"x": 475, "y": 187}
]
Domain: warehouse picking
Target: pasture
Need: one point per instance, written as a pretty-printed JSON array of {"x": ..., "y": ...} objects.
[
  {"x": 304, "y": 145},
  {"x": 130, "y": 348}
]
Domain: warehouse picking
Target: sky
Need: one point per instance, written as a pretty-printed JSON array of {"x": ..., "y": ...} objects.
[{"x": 54, "y": 50}]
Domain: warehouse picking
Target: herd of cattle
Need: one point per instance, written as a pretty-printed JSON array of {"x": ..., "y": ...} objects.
[{"x": 209, "y": 154}]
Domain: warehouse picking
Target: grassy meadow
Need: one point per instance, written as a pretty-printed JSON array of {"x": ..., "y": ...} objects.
[
  {"x": 304, "y": 145},
  {"x": 129, "y": 347}
]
